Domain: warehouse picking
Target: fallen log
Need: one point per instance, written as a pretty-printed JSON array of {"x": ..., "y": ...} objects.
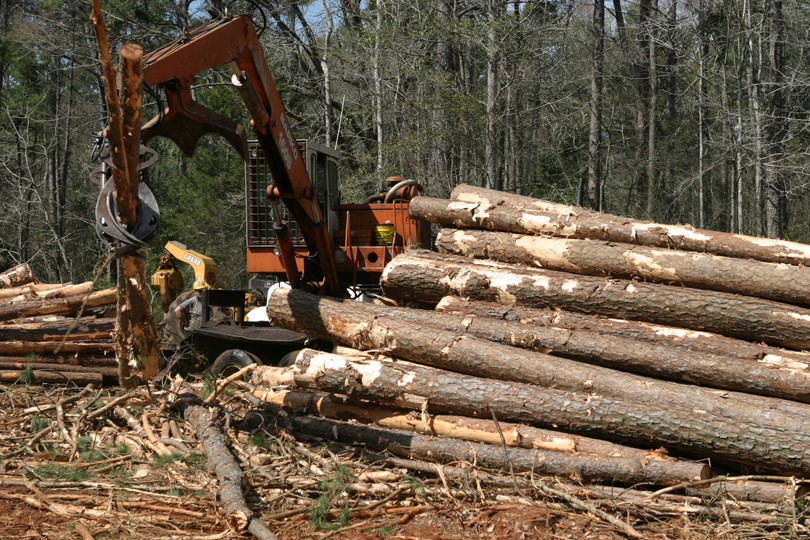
[
  {"x": 698, "y": 432},
  {"x": 16, "y": 276},
  {"x": 105, "y": 371},
  {"x": 458, "y": 427},
  {"x": 750, "y": 490},
  {"x": 418, "y": 336},
  {"x": 62, "y": 292},
  {"x": 87, "y": 360},
  {"x": 41, "y": 335},
  {"x": 49, "y": 376},
  {"x": 58, "y": 325},
  {"x": 436, "y": 275},
  {"x": 691, "y": 340},
  {"x": 31, "y": 289},
  {"x": 574, "y": 222},
  {"x": 56, "y": 306},
  {"x": 780, "y": 282},
  {"x": 543, "y": 462},
  {"x": 22, "y": 347}
]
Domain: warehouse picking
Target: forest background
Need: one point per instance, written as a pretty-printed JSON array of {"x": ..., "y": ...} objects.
[{"x": 676, "y": 111}]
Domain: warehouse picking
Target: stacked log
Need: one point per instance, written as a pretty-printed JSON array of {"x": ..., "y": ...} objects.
[
  {"x": 684, "y": 343},
  {"x": 53, "y": 332}
]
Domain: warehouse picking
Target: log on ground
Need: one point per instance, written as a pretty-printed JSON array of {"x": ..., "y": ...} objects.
[
  {"x": 417, "y": 336},
  {"x": 87, "y": 360},
  {"x": 16, "y": 276},
  {"x": 54, "y": 377},
  {"x": 429, "y": 277},
  {"x": 780, "y": 282},
  {"x": 544, "y": 462},
  {"x": 699, "y": 432},
  {"x": 56, "y": 306},
  {"x": 22, "y": 347},
  {"x": 575, "y": 222}
]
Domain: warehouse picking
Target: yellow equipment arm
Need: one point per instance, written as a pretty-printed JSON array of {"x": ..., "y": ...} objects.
[{"x": 205, "y": 269}]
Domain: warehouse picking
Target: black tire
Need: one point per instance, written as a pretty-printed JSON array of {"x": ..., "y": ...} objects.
[
  {"x": 288, "y": 359},
  {"x": 232, "y": 361}
]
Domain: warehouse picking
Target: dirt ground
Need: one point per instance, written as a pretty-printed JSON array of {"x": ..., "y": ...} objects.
[{"x": 97, "y": 473}]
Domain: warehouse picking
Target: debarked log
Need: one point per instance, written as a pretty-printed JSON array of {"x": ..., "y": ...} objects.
[
  {"x": 56, "y": 306},
  {"x": 458, "y": 427},
  {"x": 573, "y": 222},
  {"x": 436, "y": 275},
  {"x": 32, "y": 289},
  {"x": 699, "y": 432},
  {"x": 417, "y": 336},
  {"x": 780, "y": 282},
  {"x": 544, "y": 462},
  {"x": 16, "y": 276},
  {"x": 65, "y": 291},
  {"x": 705, "y": 342}
]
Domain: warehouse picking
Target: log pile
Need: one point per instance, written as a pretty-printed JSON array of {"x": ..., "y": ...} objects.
[
  {"x": 56, "y": 333},
  {"x": 550, "y": 347}
]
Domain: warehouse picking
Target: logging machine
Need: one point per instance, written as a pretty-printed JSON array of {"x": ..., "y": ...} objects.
[{"x": 297, "y": 229}]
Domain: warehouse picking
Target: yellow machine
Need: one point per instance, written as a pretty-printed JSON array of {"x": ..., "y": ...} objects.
[{"x": 168, "y": 281}]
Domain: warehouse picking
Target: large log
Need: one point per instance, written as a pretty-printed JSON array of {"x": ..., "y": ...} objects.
[
  {"x": 16, "y": 276},
  {"x": 404, "y": 334},
  {"x": 780, "y": 282},
  {"x": 22, "y": 347},
  {"x": 699, "y": 432},
  {"x": 32, "y": 289},
  {"x": 87, "y": 360},
  {"x": 458, "y": 427},
  {"x": 56, "y": 306},
  {"x": 60, "y": 292},
  {"x": 544, "y": 462},
  {"x": 436, "y": 275},
  {"x": 55, "y": 377},
  {"x": 107, "y": 372},
  {"x": 538, "y": 216},
  {"x": 705, "y": 342},
  {"x": 87, "y": 328}
]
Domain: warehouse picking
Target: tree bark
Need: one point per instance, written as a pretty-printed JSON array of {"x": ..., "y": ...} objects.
[
  {"x": 87, "y": 360},
  {"x": 783, "y": 283},
  {"x": 55, "y": 377},
  {"x": 57, "y": 306},
  {"x": 85, "y": 329},
  {"x": 108, "y": 372},
  {"x": 703, "y": 342},
  {"x": 17, "y": 276},
  {"x": 537, "y": 216},
  {"x": 61, "y": 292},
  {"x": 579, "y": 467},
  {"x": 458, "y": 427},
  {"x": 420, "y": 338},
  {"x": 595, "y": 131},
  {"x": 699, "y": 432},
  {"x": 32, "y": 289},
  {"x": 435, "y": 276},
  {"x": 22, "y": 347}
]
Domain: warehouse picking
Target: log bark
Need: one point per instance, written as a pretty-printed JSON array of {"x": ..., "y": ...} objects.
[
  {"x": 46, "y": 335},
  {"x": 750, "y": 490},
  {"x": 60, "y": 292},
  {"x": 370, "y": 327},
  {"x": 705, "y": 342},
  {"x": 54, "y": 377},
  {"x": 106, "y": 372},
  {"x": 435, "y": 276},
  {"x": 87, "y": 360},
  {"x": 544, "y": 462},
  {"x": 699, "y": 432},
  {"x": 458, "y": 427},
  {"x": 22, "y": 347},
  {"x": 780, "y": 282},
  {"x": 31, "y": 289},
  {"x": 17, "y": 276},
  {"x": 536, "y": 216},
  {"x": 56, "y": 306}
]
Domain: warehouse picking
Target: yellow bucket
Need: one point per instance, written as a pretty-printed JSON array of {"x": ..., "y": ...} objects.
[{"x": 384, "y": 234}]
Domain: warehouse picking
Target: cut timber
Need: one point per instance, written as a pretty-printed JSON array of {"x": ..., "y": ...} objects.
[
  {"x": 435, "y": 276},
  {"x": 543, "y": 462},
  {"x": 444, "y": 392},
  {"x": 417, "y": 336},
  {"x": 32, "y": 289},
  {"x": 89, "y": 360},
  {"x": 575, "y": 222},
  {"x": 749, "y": 490},
  {"x": 54, "y": 377},
  {"x": 780, "y": 282},
  {"x": 56, "y": 306},
  {"x": 22, "y": 347},
  {"x": 458, "y": 427},
  {"x": 109, "y": 371},
  {"x": 705, "y": 342},
  {"x": 14, "y": 277},
  {"x": 60, "y": 292}
]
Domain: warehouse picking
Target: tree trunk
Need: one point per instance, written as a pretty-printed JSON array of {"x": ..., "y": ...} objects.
[
  {"x": 17, "y": 276},
  {"x": 86, "y": 360},
  {"x": 579, "y": 467},
  {"x": 516, "y": 213},
  {"x": 23, "y": 347},
  {"x": 61, "y": 292},
  {"x": 773, "y": 281},
  {"x": 754, "y": 319},
  {"x": 109, "y": 372},
  {"x": 56, "y": 306},
  {"x": 55, "y": 377},
  {"x": 420, "y": 337},
  {"x": 774, "y": 180},
  {"x": 700, "y": 432},
  {"x": 595, "y": 134},
  {"x": 702, "y": 342},
  {"x": 458, "y": 427},
  {"x": 55, "y": 330},
  {"x": 28, "y": 290}
]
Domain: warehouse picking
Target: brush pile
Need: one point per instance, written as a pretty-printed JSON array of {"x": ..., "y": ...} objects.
[
  {"x": 572, "y": 344},
  {"x": 55, "y": 333}
]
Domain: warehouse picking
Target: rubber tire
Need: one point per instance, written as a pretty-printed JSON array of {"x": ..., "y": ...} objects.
[
  {"x": 288, "y": 359},
  {"x": 232, "y": 361}
]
